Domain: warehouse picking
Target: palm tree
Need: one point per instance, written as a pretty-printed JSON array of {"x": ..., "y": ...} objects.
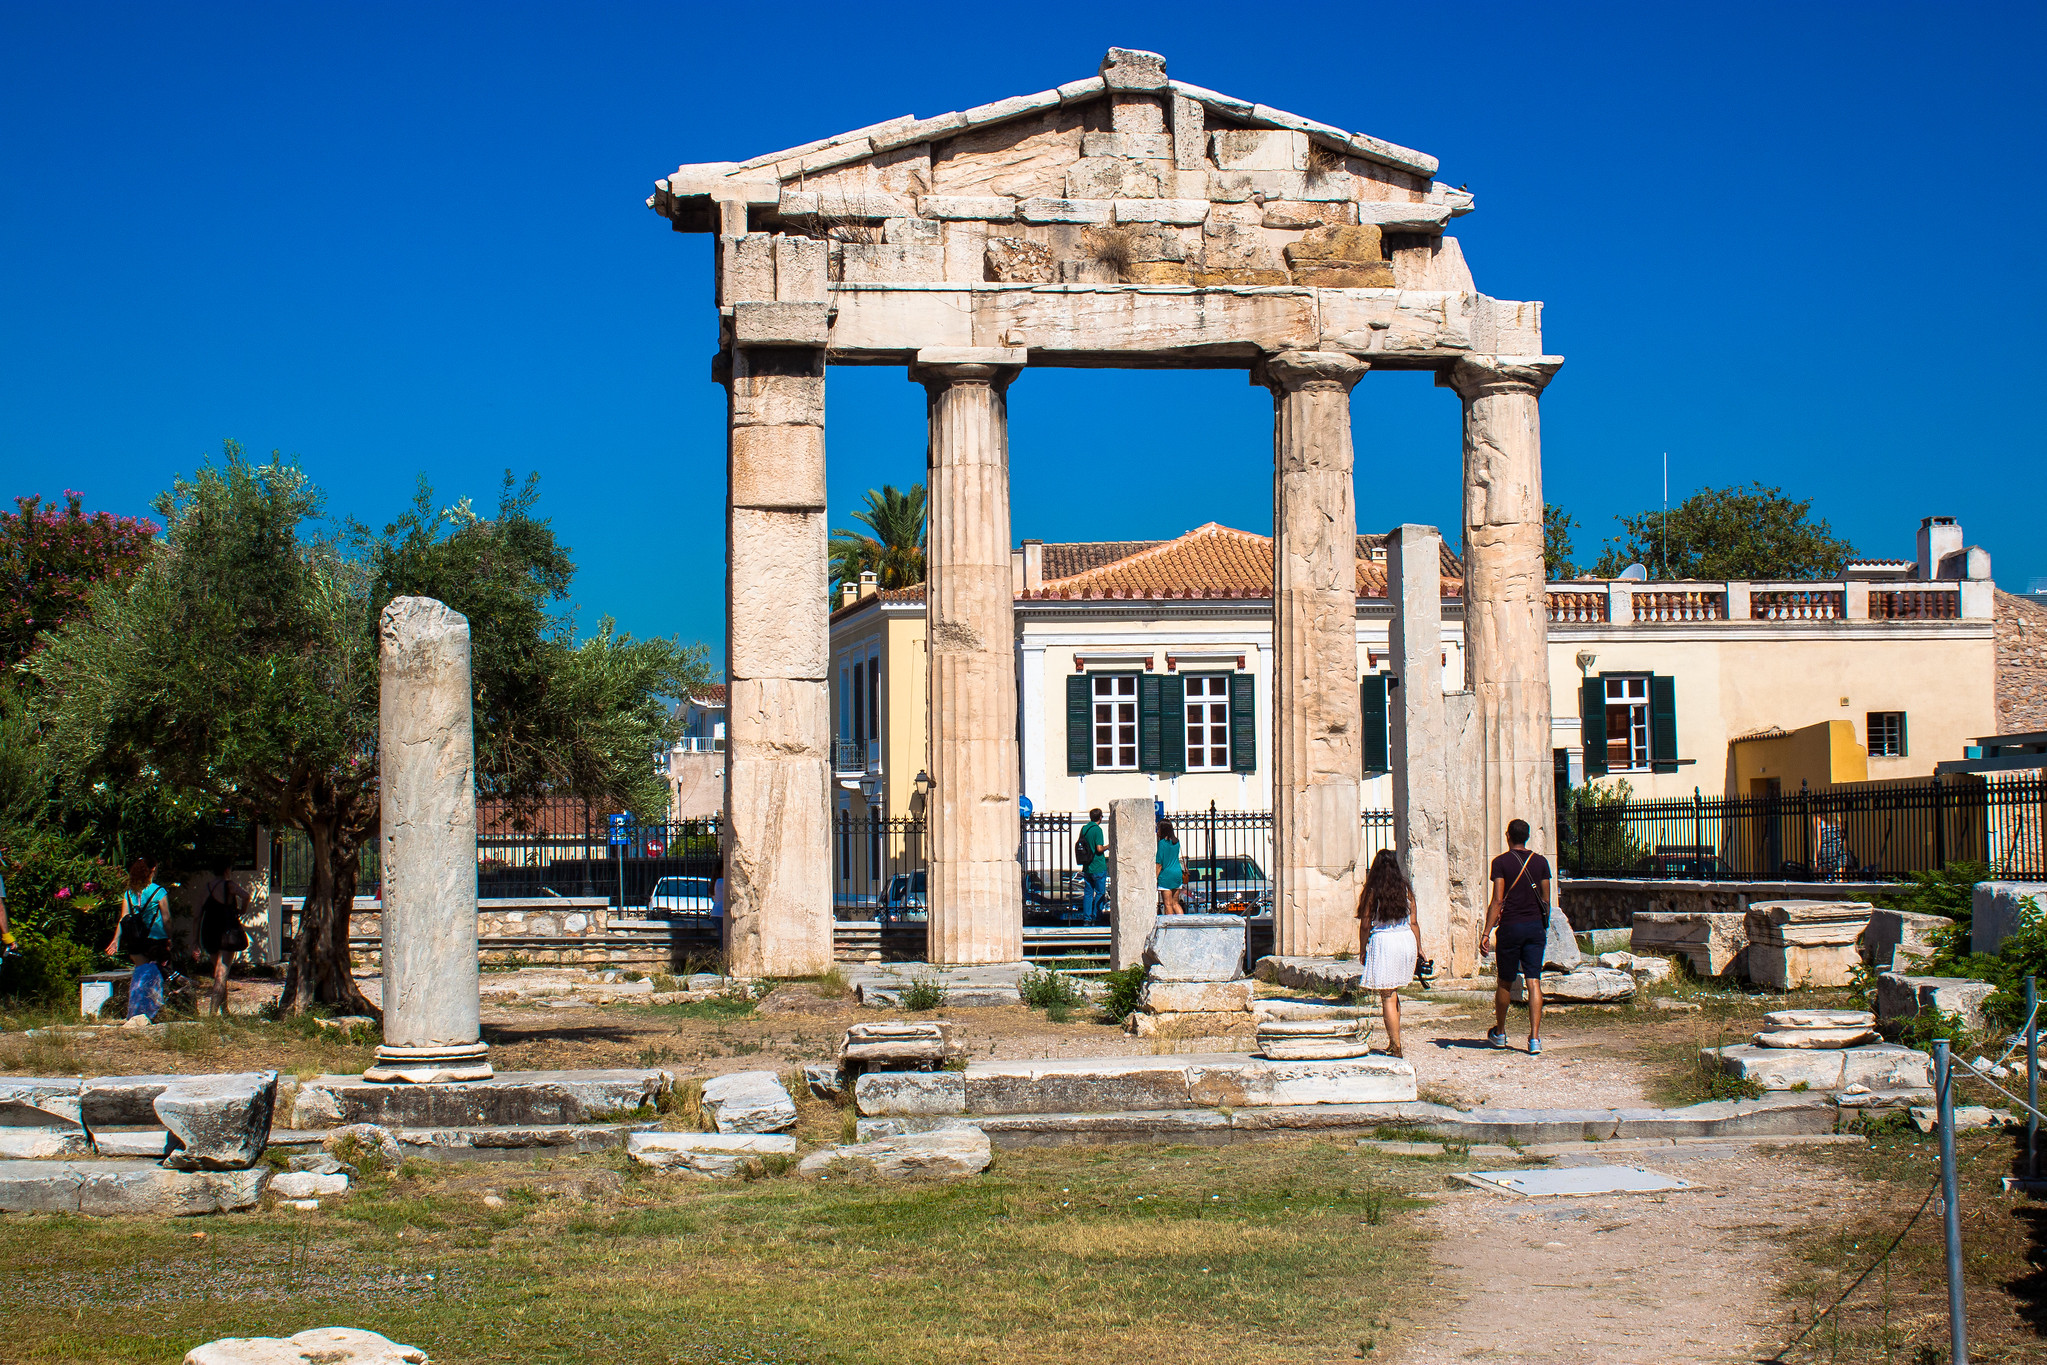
[{"x": 895, "y": 550}]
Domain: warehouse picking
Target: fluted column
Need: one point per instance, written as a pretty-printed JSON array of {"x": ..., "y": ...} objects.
[
  {"x": 974, "y": 882},
  {"x": 1506, "y": 616},
  {"x": 1317, "y": 754},
  {"x": 776, "y": 840},
  {"x": 426, "y": 770}
]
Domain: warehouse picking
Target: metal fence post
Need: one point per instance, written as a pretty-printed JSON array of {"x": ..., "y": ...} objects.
[
  {"x": 1699, "y": 834},
  {"x": 1939, "y": 828},
  {"x": 1957, "y": 1320},
  {"x": 2032, "y": 1078}
]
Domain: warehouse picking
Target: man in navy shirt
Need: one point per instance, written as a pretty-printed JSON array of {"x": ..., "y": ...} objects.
[{"x": 1520, "y": 914}]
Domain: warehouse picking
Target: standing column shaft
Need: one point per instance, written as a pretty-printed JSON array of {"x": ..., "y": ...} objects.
[
  {"x": 1316, "y": 748},
  {"x": 975, "y": 889},
  {"x": 1506, "y": 614},
  {"x": 426, "y": 770},
  {"x": 1421, "y": 794},
  {"x": 777, "y": 840}
]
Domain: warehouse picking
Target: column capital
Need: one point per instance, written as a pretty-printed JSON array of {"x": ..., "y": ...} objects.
[
  {"x": 1295, "y": 371},
  {"x": 1476, "y": 376}
]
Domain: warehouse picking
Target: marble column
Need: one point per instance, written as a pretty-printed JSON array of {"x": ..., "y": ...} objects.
[
  {"x": 974, "y": 882},
  {"x": 1506, "y": 614},
  {"x": 776, "y": 835},
  {"x": 1317, "y": 754},
  {"x": 426, "y": 771},
  {"x": 1419, "y": 724}
]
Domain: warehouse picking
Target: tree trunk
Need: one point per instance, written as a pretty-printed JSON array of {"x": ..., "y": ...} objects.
[{"x": 320, "y": 967}]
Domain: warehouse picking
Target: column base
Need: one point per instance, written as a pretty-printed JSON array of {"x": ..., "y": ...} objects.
[{"x": 431, "y": 1065}]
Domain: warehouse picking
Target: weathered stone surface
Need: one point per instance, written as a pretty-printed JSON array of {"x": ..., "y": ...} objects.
[
  {"x": 1303, "y": 973},
  {"x": 153, "y": 1143},
  {"x": 998, "y": 208},
  {"x": 779, "y": 467},
  {"x": 1560, "y": 952},
  {"x": 364, "y": 1137},
  {"x": 1196, "y": 948},
  {"x": 1885, "y": 1066},
  {"x": 319, "y": 1346},
  {"x": 36, "y": 1101},
  {"x": 1041, "y": 209},
  {"x": 1196, "y": 996},
  {"x": 1881, "y": 1066},
  {"x": 1807, "y": 923},
  {"x": 1897, "y": 939},
  {"x": 780, "y": 324},
  {"x": 1253, "y": 1082},
  {"x": 1713, "y": 943},
  {"x": 1299, "y": 1040},
  {"x": 426, "y": 756},
  {"x": 109, "y": 1187},
  {"x": 1903, "y": 997},
  {"x": 121, "y": 1101},
  {"x": 1112, "y": 177},
  {"x": 318, "y": 1163},
  {"x": 1814, "y": 1037},
  {"x": 308, "y": 1184},
  {"x": 1926, "y": 1118},
  {"x": 1996, "y": 910},
  {"x": 1138, "y": 146},
  {"x": 953, "y": 1151},
  {"x": 218, "y": 1123},
  {"x": 1193, "y": 1025},
  {"x": 706, "y": 1153},
  {"x": 513, "y": 1097},
  {"x": 1259, "y": 149},
  {"x": 1123, "y": 1084},
  {"x": 749, "y": 1102},
  {"x": 894, "y": 262},
  {"x": 1177, "y": 212},
  {"x": 1301, "y": 1011},
  {"x": 1129, "y": 68},
  {"x": 1589, "y": 985},
  {"x": 1646, "y": 970},
  {"x": 1017, "y": 260},
  {"x": 37, "y": 1144},
  {"x": 1133, "y": 880},
  {"x": 911, "y": 1092},
  {"x": 827, "y": 1082},
  {"x": 1797, "y": 1019}
]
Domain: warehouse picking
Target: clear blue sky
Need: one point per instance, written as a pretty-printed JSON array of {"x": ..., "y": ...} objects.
[{"x": 1797, "y": 243}]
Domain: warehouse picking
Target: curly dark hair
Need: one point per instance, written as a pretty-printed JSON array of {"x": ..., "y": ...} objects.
[{"x": 1386, "y": 894}]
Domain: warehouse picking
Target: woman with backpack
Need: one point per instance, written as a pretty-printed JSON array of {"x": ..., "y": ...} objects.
[
  {"x": 221, "y": 935},
  {"x": 143, "y": 936},
  {"x": 1171, "y": 876},
  {"x": 1390, "y": 939}
]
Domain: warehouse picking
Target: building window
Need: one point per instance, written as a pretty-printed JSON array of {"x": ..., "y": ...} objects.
[
  {"x": 1208, "y": 723},
  {"x": 1627, "y": 724},
  {"x": 1115, "y": 697},
  {"x": 1886, "y": 734}
]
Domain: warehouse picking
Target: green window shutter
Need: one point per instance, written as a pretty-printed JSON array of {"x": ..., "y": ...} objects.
[
  {"x": 1663, "y": 724},
  {"x": 1080, "y": 725},
  {"x": 1904, "y": 737},
  {"x": 1592, "y": 716},
  {"x": 1172, "y": 725},
  {"x": 1243, "y": 723},
  {"x": 1378, "y": 733},
  {"x": 1148, "y": 739}
]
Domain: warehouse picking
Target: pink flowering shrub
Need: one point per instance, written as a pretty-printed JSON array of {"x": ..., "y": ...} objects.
[{"x": 50, "y": 559}]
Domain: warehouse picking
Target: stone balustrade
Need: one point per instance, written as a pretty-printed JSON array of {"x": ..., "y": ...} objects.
[{"x": 1640, "y": 603}]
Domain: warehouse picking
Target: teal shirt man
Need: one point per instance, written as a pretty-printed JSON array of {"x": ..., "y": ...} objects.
[
  {"x": 1091, "y": 834},
  {"x": 1094, "y": 900}
]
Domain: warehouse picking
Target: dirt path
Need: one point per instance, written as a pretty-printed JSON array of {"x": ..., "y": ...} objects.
[{"x": 1631, "y": 1279}]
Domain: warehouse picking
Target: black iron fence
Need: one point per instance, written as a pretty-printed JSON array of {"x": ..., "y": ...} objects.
[{"x": 1872, "y": 831}]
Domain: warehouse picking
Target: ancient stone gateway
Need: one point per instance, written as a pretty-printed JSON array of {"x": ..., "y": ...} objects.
[{"x": 1121, "y": 220}]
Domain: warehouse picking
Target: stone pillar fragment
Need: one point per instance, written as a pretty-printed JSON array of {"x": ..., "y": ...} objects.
[
  {"x": 1317, "y": 754},
  {"x": 1506, "y": 619},
  {"x": 776, "y": 835},
  {"x": 1133, "y": 879},
  {"x": 1421, "y": 805},
  {"x": 426, "y": 757},
  {"x": 974, "y": 880}
]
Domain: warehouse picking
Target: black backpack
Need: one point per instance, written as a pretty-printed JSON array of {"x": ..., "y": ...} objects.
[{"x": 1083, "y": 851}]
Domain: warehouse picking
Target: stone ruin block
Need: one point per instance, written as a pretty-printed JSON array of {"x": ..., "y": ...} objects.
[
  {"x": 1805, "y": 943},
  {"x": 1714, "y": 943},
  {"x": 1196, "y": 948},
  {"x": 1896, "y": 939},
  {"x": 1900, "y": 997}
]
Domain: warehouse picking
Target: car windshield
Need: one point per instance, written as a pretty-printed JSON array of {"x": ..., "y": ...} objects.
[
  {"x": 1224, "y": 869},
  {"x": 683, "y": 886}
]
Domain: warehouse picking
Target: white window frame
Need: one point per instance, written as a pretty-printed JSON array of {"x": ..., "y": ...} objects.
[
  {"x": 1894, "y": 732},
  {"x": 1113, "y": 716},
  {"x": 1622, "y": 695},
  {"x": 1197, "y": 724}
]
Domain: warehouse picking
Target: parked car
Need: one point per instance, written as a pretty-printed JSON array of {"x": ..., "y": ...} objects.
[
  {"x": 681, "y": 898},
  {"x": 1226, "y": 886},
  {"x": 905, "y": 897}
]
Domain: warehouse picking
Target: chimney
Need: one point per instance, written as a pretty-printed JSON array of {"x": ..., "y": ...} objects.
[
  {"x": 1016, "y": 573},
  {"x": 1939, "y": 537},
  {"x": 868, "y": 585},
  {"x": 848, "y": 592},
  {"x": 1033, "y": 565}
]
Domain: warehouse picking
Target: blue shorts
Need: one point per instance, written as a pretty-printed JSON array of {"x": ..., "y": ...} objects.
[{"x": 1518, "y": 951}]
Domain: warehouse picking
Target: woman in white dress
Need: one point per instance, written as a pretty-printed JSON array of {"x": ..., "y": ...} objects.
[{"x": 1389, "y": 939}]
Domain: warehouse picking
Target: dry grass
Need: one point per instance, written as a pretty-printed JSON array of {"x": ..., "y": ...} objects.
[
  {"x": 1274, "y": 1253},
  {"x": 1112, "y": 248}
]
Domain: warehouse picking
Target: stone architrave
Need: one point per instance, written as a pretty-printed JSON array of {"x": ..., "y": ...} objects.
[
  {"x": 427, "y": 775},
  {"x": 776, "y": 835},
  {"x": 1133, "y": 879},
  {"x": 1317, "y": 718},
  {"x": 1420, "y": 745},
  {"x": 975, "y": 883},
  {"x": 1506, "y": 613}
]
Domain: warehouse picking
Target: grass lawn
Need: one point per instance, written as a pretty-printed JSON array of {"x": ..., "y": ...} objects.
[
  {"x": 1297, "y": 1250},
  {"x": 1900, "y": 1312}
]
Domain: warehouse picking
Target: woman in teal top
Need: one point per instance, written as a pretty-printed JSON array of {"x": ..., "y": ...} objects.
[{"x": 1168, "y": 862}]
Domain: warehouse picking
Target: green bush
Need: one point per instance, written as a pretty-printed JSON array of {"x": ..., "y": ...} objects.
[
  {"x": 61, "y": 904},
  {"x": 1045, "y": 990},
  {"x": 1125, "y": 987},
  {"x": 1603, "y": 847},
  {"x": 1948, "y": 892},
  {"x": 923, "y": 993}
]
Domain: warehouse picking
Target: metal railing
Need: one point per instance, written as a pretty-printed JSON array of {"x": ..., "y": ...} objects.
[
  {"x": 856, "y": 757},
  {"x": 1875, "y": 831}
]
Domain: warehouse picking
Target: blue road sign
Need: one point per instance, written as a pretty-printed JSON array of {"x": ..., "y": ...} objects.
[
  {"x": 1025, "y": 802},
  {"x": 620, "y": 834},
  {"x": 1158, "y": 809}
]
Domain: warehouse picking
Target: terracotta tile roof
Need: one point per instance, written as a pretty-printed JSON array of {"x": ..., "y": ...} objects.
[
  {"x": 1064, "y": 559},
  {"x": 712, "y": 694},
  {"x": 1211, "y": 561},
  {"x": 1369, "y": 543}
]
